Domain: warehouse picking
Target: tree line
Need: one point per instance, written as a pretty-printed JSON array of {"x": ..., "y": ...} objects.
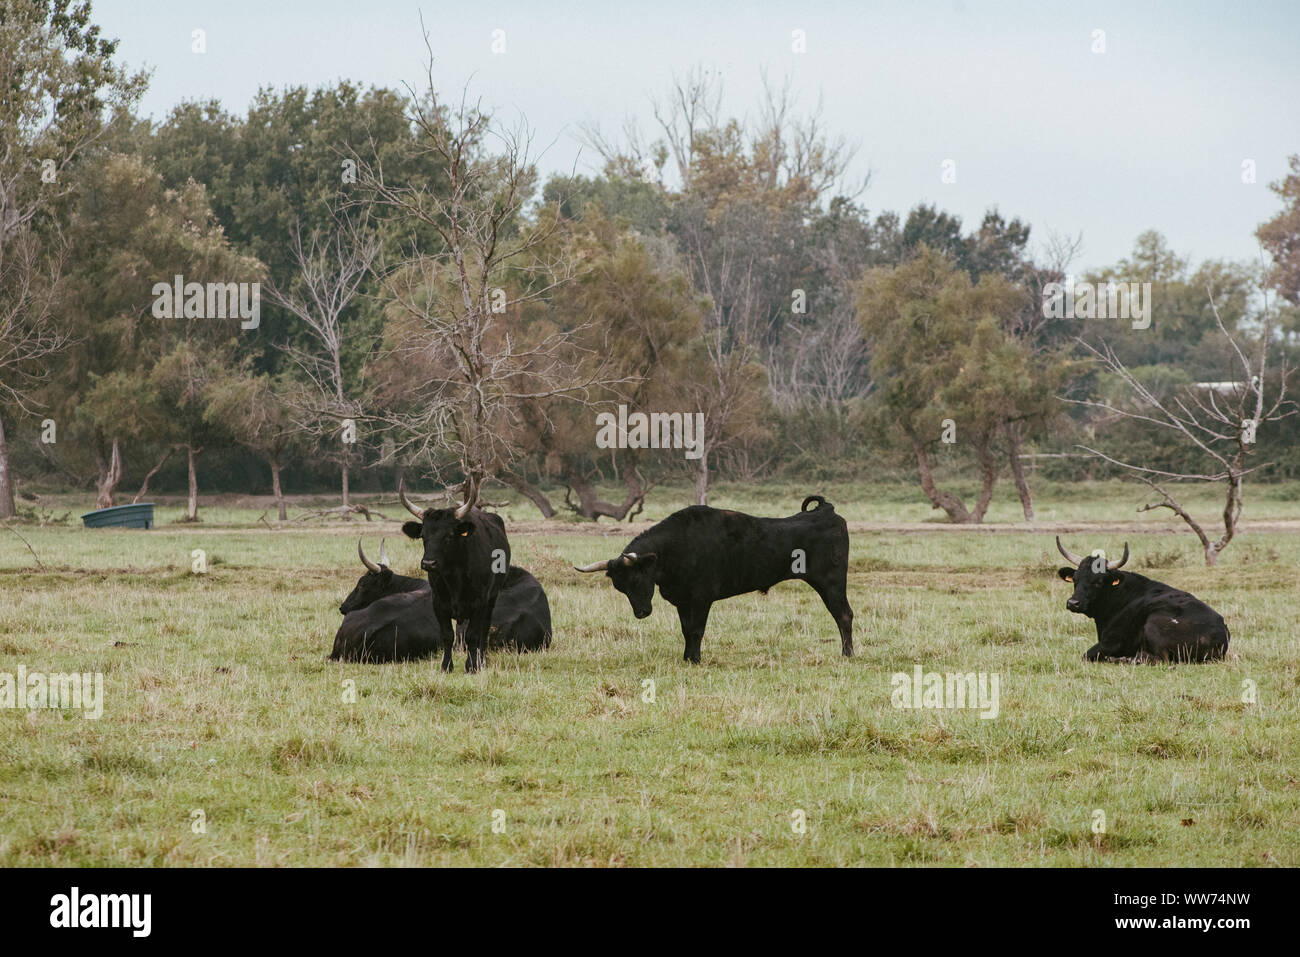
[{"x": 429, "y": 305}]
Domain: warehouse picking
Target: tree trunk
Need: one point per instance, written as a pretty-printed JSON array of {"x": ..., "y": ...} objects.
[
  {"x": 1018, "y": 472},
  {"x": 590, "y": 506},
  {"x": 346, "y": 502},
  {"x": 954, "y": 506},
  {"x": 988, "y": 478},
  {"x": 532, "y": 493},
  {"x": 144, "y": 486},
  {"x": 6, "y": 481},
  {"x": 702, "y": 479},
  {"x": 109, "y": 475},
  {"x": 276, "y": 490},
  {"x": 192, "y": 502}
]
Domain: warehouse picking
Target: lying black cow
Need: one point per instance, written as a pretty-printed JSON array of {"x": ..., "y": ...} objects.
[
  {"x": 467, "y": 556},
  {"x": 378, "y": 582},
  {"x": 387, "y": 617},
  {"x": 521, "y": 620},
  {"x": 700, "y": 555},
  {"x": 1140, "y": 618}
]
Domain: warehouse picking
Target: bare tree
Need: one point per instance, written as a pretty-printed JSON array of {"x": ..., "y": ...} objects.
[
  {"x": 331, "y": 269},
  {"x": 454, "y": 313},
  {"x": 1218, "y": 419}
]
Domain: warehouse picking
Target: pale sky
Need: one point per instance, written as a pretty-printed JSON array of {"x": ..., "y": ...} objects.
[{"x": 1151, "y": 133}]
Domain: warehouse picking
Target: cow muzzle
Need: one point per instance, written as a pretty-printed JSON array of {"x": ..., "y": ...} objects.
[
  {"x": 429, "y": 565},
  {"x": 1072, "y": 604}
]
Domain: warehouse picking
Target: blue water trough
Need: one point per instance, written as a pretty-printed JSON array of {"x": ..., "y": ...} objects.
[{"x": 120, "y": 516}]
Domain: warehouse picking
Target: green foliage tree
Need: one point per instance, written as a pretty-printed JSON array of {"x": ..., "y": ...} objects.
[
  {"x": 944, "y": 365},
  {"x": 127, "y": 234},
  {"x": 1281, "y": 235},
  {"x": 59, "y": 83}
]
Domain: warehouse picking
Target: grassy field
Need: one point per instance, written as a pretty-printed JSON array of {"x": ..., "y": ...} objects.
[{"x": 219, "y": 698}]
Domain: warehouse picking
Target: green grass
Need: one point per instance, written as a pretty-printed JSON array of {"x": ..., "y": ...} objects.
[{"x": 219, "y": 698}]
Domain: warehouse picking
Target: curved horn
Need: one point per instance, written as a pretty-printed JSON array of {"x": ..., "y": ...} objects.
[
  {"x": 1069, "y": 556},
  {"x": 401, "y": 493},
  {"x": 365, "y": 561},
  {"x": 593, "y": 567},
  {"x": 383, "y": 552},
  {"x": 629, "y": 558},
  {"x": 471, "y": 496},
  {"x": 1112, "y": 566}
]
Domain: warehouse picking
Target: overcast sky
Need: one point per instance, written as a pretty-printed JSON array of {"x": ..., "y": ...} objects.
[{"x": 1151, "y": 133}]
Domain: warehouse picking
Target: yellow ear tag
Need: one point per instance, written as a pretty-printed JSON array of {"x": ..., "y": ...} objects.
[
  {"x": 1114, "y": 583},
  {"x": 463, "y": 534}
]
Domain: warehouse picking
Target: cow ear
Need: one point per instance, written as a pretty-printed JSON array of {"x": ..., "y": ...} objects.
[
  {"x": 464, "y": 528},
  {"x": 1067, "y": 574},
  {"x": 646, "y": 560},
  {"x": 385, "y": 573},
  {"x": 412, "y": 529}
]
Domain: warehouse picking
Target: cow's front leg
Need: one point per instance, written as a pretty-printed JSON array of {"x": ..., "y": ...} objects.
[
  {"x": 447, "y": 635},
  {"x": 476, "y": 636},
  {"x": 693, "y": 619},
  {"x": 1116, "y": 643}
]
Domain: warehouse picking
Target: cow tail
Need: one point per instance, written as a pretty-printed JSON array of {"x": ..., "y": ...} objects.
[{"x": 821, "y": 503}]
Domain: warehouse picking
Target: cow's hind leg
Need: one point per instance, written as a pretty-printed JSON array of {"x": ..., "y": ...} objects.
[
  {"x": 693, "y": 619},
  {"x": 1181, "y": 638},
  {"x": 837, "y": 603}
]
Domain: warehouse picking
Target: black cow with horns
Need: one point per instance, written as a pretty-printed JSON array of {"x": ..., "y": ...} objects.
[
  {"x": 1140, "y": 618},
  {"x": 467, "y": 558},
  {"x": 387, "y": 616},
  {"x": 700, "y": 555}
]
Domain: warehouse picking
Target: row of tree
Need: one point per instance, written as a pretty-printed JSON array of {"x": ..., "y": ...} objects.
[{"x": 430, "y": 305}]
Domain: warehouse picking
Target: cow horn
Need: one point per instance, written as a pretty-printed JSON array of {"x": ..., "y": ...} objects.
[
  {"x": 1112, "y": 566},
  {"x": 383, "y": 552},
  {"x": 1069, "y": 556},
  {"x": 593, "y": 567},
  {"x": 401, "y": 493},
  {"x": 629, "y": 558},
  {"x": 470, "y": 489},
  {"x": 365, "y": 561}
]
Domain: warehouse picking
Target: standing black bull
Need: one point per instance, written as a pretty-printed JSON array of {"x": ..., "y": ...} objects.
[
  {"x": 700, "y": 555},
  {"x": 467, "y": 556},
  {"x": 1140, "y": 618},
  {"x": 387, "y": 616}
]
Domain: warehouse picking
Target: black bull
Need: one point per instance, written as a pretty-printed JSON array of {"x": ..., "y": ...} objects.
[
  {"x": 467, "y": 556},
  {"x": 1140, "y": 618},
  {"x": 700, "y": 555},
  {"x": 388, "y": 617}
]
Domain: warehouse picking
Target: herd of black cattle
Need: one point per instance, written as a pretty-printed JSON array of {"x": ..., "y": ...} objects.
[{"x": 697, "y": 556}]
